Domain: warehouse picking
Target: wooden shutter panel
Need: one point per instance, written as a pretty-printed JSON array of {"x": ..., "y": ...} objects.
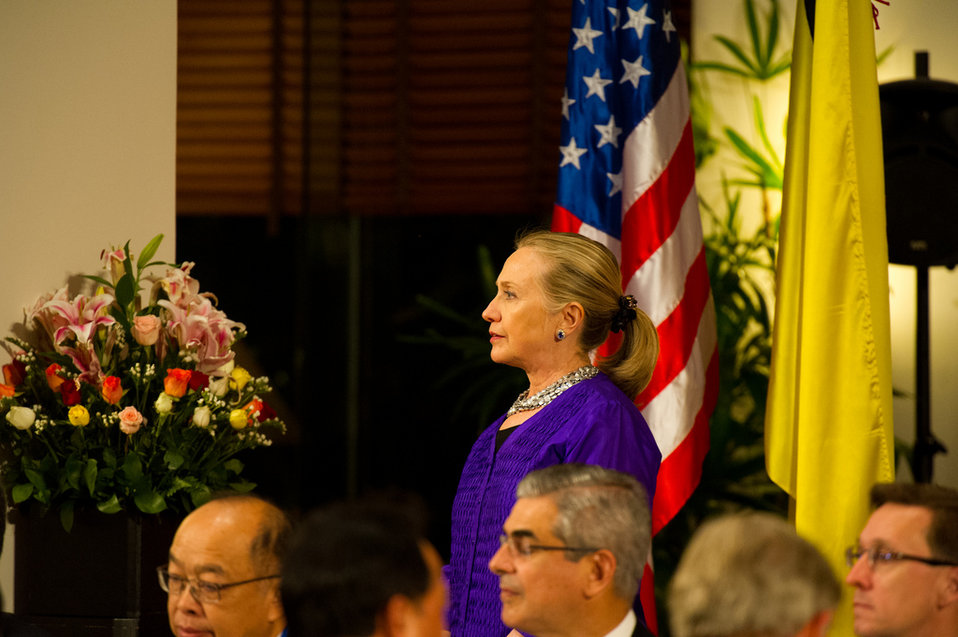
[{"x": 239, "y": 107}]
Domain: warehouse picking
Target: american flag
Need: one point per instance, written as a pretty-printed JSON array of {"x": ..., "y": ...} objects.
[{"x": 627, "y": 179}]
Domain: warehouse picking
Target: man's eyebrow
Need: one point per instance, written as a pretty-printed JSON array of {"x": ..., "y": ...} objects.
[
  {"x": 522, "y": 533},
  {"x": 214, "y": 569}
]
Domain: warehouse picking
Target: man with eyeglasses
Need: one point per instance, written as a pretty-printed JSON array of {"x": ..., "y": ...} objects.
[
  {"x": 223, "y": 575},
  {"x": 572, "y": 552},
  {"x": 905, "y": 567}
]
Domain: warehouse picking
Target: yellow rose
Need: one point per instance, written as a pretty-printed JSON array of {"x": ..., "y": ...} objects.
[
  {"x": 239, "y": 378},
  {"x": 79, "y": 416},
  {"x": 239, "y": 419}
]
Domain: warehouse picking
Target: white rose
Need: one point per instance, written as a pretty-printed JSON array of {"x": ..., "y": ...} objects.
[
  {"x": 201, "y": 417},
  {"x": 164, "y": 403},
  {"x": 21, "y": 417}
]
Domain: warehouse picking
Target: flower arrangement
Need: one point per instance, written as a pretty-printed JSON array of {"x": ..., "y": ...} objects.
[{"x": 124, "y": 406}]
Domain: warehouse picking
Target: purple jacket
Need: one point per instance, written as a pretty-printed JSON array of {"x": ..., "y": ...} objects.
[{"x": 591, "y": 422}]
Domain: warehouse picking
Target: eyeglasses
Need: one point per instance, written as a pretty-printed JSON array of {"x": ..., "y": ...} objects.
[
  {"x": 202, "y": 591},
  {"x": 874, "y": 556},
  {"x": 521, "y": 545}
]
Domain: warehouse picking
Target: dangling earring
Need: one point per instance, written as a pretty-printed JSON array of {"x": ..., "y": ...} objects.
[{"x": 560, "y": 334}]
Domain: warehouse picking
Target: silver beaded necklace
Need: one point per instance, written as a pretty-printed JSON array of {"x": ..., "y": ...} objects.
[{"x": 525, "y": 402}]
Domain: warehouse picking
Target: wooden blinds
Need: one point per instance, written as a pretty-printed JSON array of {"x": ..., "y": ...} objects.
[
  {"x": 239, "y": 107},
  {"x": 451, "y": 107},
  {"x": 410, "y": 107}
]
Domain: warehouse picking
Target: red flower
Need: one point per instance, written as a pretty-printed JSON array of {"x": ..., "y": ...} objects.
[
  {"x": 7, "y": 390},
  {"x": 176, "y": 382},
  {"x": 198, "y": 380},
  {"x": 260, "y": 409},
  {"x": 111, "y": 390},
  {"x": 266, "y": 413},
  {"x": 54, "y": 380},
  {"x": 70, "y": 392},
  {"x": 14, "y": 373}
]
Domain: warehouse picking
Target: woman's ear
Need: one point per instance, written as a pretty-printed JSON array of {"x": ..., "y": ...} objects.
[{"x": 572, "y": 317}]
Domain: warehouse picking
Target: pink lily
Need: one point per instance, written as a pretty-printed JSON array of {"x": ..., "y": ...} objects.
[{"x": 82, "y": 316}]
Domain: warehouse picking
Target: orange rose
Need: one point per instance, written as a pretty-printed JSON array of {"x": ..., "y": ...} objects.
[
  {"x": 7, "y": 390},
  {"x": 111, "y": 390},
  {"x": 176, "y": 382},
  {"x": 53, "y": 378},
  {"x": 14, "y": 373}
]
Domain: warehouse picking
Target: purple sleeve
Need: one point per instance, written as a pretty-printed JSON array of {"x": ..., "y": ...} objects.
[{"x": 616, "y": 436}]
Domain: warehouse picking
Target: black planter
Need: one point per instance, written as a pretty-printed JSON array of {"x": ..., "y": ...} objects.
[{"x": 98, "y": 579}]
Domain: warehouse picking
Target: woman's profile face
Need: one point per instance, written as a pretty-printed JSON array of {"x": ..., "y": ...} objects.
[{"x": 521, "y": 331}]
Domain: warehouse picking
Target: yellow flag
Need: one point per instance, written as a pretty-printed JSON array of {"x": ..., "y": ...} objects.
[{"x": 828, "y": 424}]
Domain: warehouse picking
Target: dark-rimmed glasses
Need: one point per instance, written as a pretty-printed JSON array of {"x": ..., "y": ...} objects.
[
  {"x": 202, "y": 591},
  {"x": 876, "y": 556},
  {"x": 521, "y": 545}
]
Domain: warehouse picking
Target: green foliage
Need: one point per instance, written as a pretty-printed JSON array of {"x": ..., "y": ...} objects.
[{"x": 755, "y": 60}]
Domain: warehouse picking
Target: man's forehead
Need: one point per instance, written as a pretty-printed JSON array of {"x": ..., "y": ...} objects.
[
  {"x": 212, "y": 542},
  {"x": 534, "y": 514},
  {"x": 894, "y": 523}
]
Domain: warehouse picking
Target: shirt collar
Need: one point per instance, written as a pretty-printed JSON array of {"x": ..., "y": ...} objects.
[{"x": 625, "y": 627}]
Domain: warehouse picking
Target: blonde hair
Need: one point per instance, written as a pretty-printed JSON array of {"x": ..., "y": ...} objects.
[{"x": 581, "y": 270}]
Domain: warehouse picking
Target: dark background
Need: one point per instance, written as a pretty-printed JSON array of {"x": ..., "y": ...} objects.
[{"x": 292, "y": 291}]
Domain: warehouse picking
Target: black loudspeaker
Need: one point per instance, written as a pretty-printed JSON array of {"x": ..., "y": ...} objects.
[
  {"x": 920, "y": 136},
  {"x": 919, "y": 120}
]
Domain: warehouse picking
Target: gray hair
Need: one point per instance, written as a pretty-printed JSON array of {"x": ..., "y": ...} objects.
[
  {"x": 749, "y": 574},
  {"x": 598, "y": 507}
]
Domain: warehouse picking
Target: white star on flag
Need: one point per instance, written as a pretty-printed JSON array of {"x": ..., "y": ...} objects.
[
  {"x": 597, "y": 85},
  {"x": 571, "y": 154},
  {"x": 585, "y": 35},
  {"x": 566, "y": 103},
  {"x": 667, "y": 25},
  {"x": 638, "y": 20},
  {"x": 616, "y": 179},
  {"x": 633, "y": 72},
  {"x": 615, "y": 14},
  {"x": 609, "y": 133}
]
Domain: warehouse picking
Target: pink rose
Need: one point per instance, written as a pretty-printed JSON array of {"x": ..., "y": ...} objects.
[
  {"x": 146, "y": 329},
  {"x": 130, "y": 420}
]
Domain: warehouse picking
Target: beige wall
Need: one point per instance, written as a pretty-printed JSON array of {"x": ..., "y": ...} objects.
[
  {"x": 87, "y": 144},
  {"x": 906, "y": 26}
]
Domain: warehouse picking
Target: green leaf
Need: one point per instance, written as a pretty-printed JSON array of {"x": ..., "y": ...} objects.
[
  {"x": 721, "y": 66},
  {"x": 147, "y": 253},
  {"x": 243, "y": 486},
  {"x": 36, "y": 479},
  {"x": 99, "y": 280},
  {"x": 125, "y": 291},
  {"x": 89, "y": 475},
  {"x": 754, "y": 34},
  {"x": 72, "y": 470},
  {"x": 737, "y": 52},
  {"x": 234, "y": 466},
  {"x": 21, "y": 493},
  {"x": 173, "y": 459},
  {"x": 200, "y": 495},
  {"x": 112, "y": 505},
  {"x": 149, "y": 501},
  {"x": 66, "y": 515}
]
